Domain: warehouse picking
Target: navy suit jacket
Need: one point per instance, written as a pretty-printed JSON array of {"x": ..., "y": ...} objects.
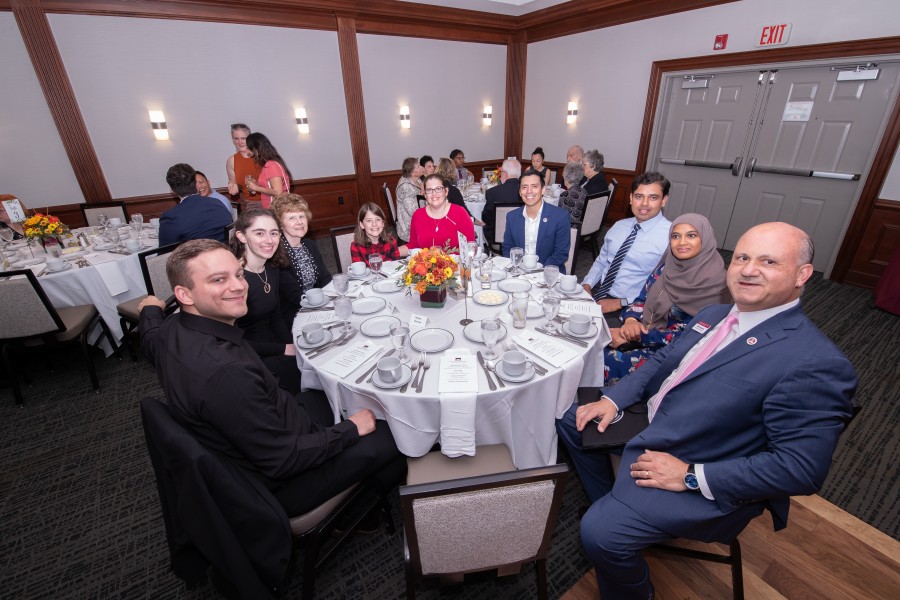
[
  {"x": 194, "y": 218},
  {"x": 553, "y": 235},
  {"x": 763, "y": 415}
]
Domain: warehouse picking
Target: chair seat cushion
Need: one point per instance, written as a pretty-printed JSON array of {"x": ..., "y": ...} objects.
[
  {"x": 75, "y": 318},
  {"x": 434, "y": 466},
  {"x": 303, "y": 523},
  {"x": 129, "y": 310}
]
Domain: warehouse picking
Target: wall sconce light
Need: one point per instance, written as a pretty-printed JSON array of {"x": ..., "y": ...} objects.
[
  {"x": 572, "y": 113},
  {"x": 487, "y": 115},
  {"x": 158, "y": 123},
  {"x": 302, "y": 121},
  {"x": 404, "y": 117}
]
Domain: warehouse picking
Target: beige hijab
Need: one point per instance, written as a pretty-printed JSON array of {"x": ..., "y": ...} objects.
[{"x": 691, "y": 284}]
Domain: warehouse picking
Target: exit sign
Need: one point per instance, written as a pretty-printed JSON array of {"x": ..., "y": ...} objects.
[{"x": 774, "y": 35}]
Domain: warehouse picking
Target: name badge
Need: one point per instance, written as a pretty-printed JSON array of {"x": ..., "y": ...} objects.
[{"x": 701, "y": 327}]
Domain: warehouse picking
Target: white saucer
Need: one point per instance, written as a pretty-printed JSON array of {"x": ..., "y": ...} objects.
[
  {"x": 365, "y": 275},
  {"x": 405, "y": 375},
  {"x": 386, "y": 286},
  {"x": 527, "y": 374},
  {"x": 379, "y": 326},
  {"x": 472, "y": 331},
  {"x": 576, "y": 292},
  {"x": 66, "y": 267},
  {"x": 306, "y": 304},
  {"x": 538, "y": 268},
  {"x": 591, "y": 332},
  {"x": 304, "y": 344}
]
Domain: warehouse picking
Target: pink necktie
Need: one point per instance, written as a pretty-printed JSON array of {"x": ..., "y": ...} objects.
[{"x": 696, "y": 361}]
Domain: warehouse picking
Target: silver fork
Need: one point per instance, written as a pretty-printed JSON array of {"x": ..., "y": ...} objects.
[
  {"x": 425, "y": 367},
  {"x": 412, "y": 378}
]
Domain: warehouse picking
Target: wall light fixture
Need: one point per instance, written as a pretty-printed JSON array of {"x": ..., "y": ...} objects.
[
  {"x": 572, "y": 113},
  {"x": 404, "y": 117},
  {"x": 487, "y": 115},
  {"x": 158, "y": 123},
  {"x": 302, "y": 121}
]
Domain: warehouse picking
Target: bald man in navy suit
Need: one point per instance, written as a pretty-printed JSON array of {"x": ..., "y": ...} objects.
[{"x": 730, "y": 435}]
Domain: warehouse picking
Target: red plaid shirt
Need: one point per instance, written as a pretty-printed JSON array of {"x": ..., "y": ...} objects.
[{"x": 360, "y": 253}]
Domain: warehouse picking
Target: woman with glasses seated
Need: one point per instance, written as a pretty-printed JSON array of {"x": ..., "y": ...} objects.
[
  {"x": 409, "y": 188},
  {"x": 439, "y": 222}
]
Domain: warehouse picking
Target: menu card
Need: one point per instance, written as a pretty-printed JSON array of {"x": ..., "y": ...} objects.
[
  {"x": 545, "y": 348},
  {"x": 459, "y": 372},
  {"x": 351, "y": 359},
  {"x": 571, "y": 307}
]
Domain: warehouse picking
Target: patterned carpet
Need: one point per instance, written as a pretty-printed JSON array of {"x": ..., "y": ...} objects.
[{"x": 80, "y": 517}]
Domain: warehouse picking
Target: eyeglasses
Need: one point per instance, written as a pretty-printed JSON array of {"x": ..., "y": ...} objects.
[
  {"x": 651, "y": 197},
  {"x": 433, "y": 191}
]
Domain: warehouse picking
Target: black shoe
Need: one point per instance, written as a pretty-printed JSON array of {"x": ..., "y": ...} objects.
[{"x": 370, "y": 524}]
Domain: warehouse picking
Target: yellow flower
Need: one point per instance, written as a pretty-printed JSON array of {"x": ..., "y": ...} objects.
[
  {"x": 429, "y": 278},
  {"x": 448, "y": 272},
  {"x": 433, "y": 260}
]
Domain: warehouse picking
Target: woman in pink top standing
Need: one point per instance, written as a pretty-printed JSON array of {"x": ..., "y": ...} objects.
[
  {"x": 439, "y": 222},
  {"x": 274, "y": 177}
]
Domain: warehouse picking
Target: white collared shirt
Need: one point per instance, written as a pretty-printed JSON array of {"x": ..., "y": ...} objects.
[{"x": 531, "y": 229}]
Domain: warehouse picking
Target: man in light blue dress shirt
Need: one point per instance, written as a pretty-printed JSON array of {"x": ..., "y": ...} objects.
[{"x": 649, "y": 194}]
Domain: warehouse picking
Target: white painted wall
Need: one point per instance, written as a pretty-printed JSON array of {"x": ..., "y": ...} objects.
[
  {"x": 607, "y": 71},
  {"x": 445, "y": 109},
  {"x": 204, "y": 79},
  {"x": 33, "y": 163}
]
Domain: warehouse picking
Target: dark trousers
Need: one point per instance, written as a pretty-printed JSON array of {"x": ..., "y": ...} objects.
[
  {"x": 374, "y": 456},
  {"x": 593, "y": 467}
]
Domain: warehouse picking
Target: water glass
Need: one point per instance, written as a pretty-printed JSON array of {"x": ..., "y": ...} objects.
[
  {"x": 343, "y": 309},
  {"x": 520, "y": 309},
  {"x": 104, "y": 220},
  {"x": 551, "y": 275},
  {"x": 515, "y": 255},
  {"x": 375, "y": 261},
  {"x": 490, "y": 333},
  {"x": 550, "y": 303},
  {"x": 484, "y": 273},
  {"x": 112, "y": 236},
  {"x": 400, "y": 339},
  {"x": 341, "y": 283}
]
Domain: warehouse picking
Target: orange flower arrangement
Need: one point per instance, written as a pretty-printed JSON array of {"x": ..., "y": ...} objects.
[
  {"x": 43, "y": 226},
  {"x": 430, "y": 266}
]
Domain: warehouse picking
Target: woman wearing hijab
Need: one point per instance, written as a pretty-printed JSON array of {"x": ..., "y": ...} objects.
[{"x": 690, "y": 277}]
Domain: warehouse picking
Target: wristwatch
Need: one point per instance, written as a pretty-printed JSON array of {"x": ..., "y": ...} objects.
[
  {"x": 690, "y": 479},
  {"x": 624, "y": 302}
]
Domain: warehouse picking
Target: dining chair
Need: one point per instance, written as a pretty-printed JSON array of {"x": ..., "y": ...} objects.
[
  {"x": 31, "y": 321},
  {"x": 502, "y": 209},
  {"x": 389, "y": 200},
  {"x": 552, "y": 176},
  {"x": 595, "y": 208},
  {"x": 340, "y": 240},
  {"x": 613, "y": 184},
  {"x": 574, "y": 247},
  {"x": 91, "y": 212},
  {"x": 216, "y": 513},
  {"x": 497, "y": 521},
  {"x": 156, "y": 282}
]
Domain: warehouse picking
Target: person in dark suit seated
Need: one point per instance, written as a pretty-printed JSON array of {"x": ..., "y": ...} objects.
[
  {"x": 745, "y": 410},
  {"x": 194, "y": 217},
  {"x": 505, "y": 193},
  {"x": 218, "y": 389},
  {"x": 593, "y": 170},
  {"x": 539, "y": 228}
]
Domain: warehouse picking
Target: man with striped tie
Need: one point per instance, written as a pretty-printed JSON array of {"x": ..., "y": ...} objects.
[{"x": 632, "y": 247}]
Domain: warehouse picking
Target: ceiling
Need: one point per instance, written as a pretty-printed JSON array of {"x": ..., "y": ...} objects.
[{"x": 504, "y": 7}]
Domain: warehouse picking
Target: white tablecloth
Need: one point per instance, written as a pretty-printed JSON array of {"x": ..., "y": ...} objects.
[{"x": 522, "y": 416}]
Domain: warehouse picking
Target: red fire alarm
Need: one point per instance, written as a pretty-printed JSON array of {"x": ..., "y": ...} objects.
[{"x": 721, "y": 42}]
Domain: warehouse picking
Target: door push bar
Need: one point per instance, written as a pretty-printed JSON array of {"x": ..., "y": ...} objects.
[
  {"x": 734, "y": 166},
  {"x": 800, "y": 172}
]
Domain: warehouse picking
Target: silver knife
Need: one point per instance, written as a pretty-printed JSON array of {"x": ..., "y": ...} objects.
[
  {"x": 487, "y": 373},
  {"x": 562, "y": 336},
  {"x": 340, "y": 343},
  {"x": 374, "y": 364}
]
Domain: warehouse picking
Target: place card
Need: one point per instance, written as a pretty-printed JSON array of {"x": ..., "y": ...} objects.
[
  {"x": 545, "y": 348},
  {"x": 351, "y": 359},
  {"x": 570, "y": 307},
  {"x": 459, "y": 373},
  {"x": 417, "y": 322}
]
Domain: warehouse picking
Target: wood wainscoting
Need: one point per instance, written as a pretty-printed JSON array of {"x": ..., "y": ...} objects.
[{"x": 880, "y": 238}]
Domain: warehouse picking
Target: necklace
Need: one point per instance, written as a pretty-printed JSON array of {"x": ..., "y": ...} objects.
[{"x": 266, "y": 286}]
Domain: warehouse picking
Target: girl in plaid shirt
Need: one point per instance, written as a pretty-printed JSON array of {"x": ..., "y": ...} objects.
[{"x": 371, "y": 237}]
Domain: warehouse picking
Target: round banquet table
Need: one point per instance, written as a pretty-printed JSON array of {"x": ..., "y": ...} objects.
[{"x": 520, "y": 415}]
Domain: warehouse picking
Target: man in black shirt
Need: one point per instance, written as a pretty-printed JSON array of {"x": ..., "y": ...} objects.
[{"x": 219, "y": 389}]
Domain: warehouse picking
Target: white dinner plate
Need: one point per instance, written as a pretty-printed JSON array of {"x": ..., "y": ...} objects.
[
  {"x": 500, "y": 372},
  {"x": 306, "y": 345},
  {"x": 490, "y": 297},
  {"x": 591, "y": 332},
  {"x": 66, "y": 266},
  {"x": 27, "y": 262},
  {"x": 405, "y": 375},
  {"x": 514, "y": 285},
  {"x": 498, "y": 275},
  {"x": 431, "y": 340},
  {"x": 472, "y": 331},
  {"x": 386, "y": 286},
  {"x": 379, "y": 326},
  {"x": 367, "y": 306},
  {"x": 535, "y": 310}
]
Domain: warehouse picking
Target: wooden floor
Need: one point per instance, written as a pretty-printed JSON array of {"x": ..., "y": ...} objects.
[{"x": 825, "y": 553}]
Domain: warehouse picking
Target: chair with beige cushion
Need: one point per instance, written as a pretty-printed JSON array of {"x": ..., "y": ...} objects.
[
  {"x": 595, "y": 209},
  {"x": 340, "y": 240},
  {"x": 30, "y": 321},
  {"x": 470, "y": 514},
  {"x": 91, "y": 212}
]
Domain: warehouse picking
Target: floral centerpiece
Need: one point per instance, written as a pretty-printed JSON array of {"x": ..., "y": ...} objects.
[
  {"x": 431, "y": 271},
  {"x": 495, "y": 177},
  {"x": 46, "y": 228}
]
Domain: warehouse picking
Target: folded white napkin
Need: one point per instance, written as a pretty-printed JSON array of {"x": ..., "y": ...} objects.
[
  {"x": 111, "y": 275},
  {"x": 458, "y": 424}
]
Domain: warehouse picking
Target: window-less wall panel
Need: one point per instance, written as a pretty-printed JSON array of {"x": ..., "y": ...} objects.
[
  {"x": 204, "y": 76},
  {"x": 445, "y": 84},
  {"x": 34, "y": 165}
]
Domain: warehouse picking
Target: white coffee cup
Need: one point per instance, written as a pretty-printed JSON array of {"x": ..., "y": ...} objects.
[
  {"x": 389, "y": 369},
  {"x": 514, "y": 362},
  {"x": 579, "y": 323},
  {"x": 55, "y": 264},
  {"x": 314, "y": 296},
  {"x": 154, "y": 222},
  {"x": 132, "y": 245},
  {"x": 115, "y": 222},
  {"x": 529, "y": 261},
  {"x": 312, "y": 333},
  {"x": 568, "y": 283},
  {"x": 357, "y": 268}
]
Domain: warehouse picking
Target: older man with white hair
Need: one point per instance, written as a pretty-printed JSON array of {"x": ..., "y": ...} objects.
[{"x": 506, "y": 192}]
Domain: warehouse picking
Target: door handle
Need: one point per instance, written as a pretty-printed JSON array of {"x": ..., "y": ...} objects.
[
  {"x": 697, "y": 163},
  {"x": 736, "y": 166},
  {"x": 750, "y": 168},
  {"x": 802, "y": 172}
]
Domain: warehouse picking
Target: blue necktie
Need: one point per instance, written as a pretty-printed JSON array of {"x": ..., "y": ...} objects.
[{"x": 602, "y": 291}]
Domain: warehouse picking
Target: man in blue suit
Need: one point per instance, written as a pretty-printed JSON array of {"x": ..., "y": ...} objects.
[
  {"x": 539, "y": 228},
  {"x": 195, "y": 216},
  {"x": 745, "y": 410}
]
